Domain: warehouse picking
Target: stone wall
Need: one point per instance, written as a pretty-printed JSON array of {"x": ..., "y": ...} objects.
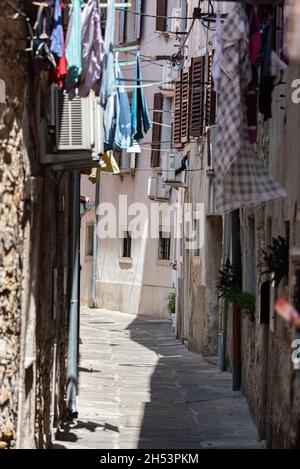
[
  {"x": 33, "y": 254},
  {"x": 12, "y": 174},
  {"x": 269, "y": 381}
]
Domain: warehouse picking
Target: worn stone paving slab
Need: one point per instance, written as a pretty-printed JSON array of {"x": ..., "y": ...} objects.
[{"x": 141, "y": 388}]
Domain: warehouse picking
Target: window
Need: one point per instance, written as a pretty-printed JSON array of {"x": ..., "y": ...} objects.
[
  {"x": 161, "y": 13},
  {"x": 89, "y": 237},
  {"x": 156, "y": 131},
  {"x": 130, "y": 25},
  {"x": 164, "y": 250},
  {"x": 126, "y": 251}
]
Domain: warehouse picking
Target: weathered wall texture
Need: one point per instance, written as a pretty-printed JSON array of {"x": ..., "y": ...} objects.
[
  {"x": 11, "y": 214},
  {"x": 269, "y": 381},
  {"x": 33, "y": 242}
]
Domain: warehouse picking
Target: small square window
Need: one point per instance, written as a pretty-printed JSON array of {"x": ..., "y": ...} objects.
[
  {"x": 89, "y": 238},
  {"x": 164, "y": 250},
  {"x": 126, "y": 248}
]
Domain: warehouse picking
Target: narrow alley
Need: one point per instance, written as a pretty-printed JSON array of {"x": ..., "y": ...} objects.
[{"x": 140, "y": 388}]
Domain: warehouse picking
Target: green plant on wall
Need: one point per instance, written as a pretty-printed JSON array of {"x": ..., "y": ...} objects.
[
  {"x": 228, "y": 288},
  {"x": 276, "y": 259},
  {"x": 172, "y": 303}
]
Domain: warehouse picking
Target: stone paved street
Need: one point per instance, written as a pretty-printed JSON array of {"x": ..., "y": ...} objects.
[{"x": 140, "y": 388}]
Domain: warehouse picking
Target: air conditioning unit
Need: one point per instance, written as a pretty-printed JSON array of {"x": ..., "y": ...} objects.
[
  {"x": 171, "y": 162},
  {"x": 72, "y": 137},
  {"x": 169, "y": 76},
  {"x": 176, "y": 20},
  {"x": 127, "y": 162},
  {"x": 152, "y": 183},
  {"x": 157, "y": 190}
]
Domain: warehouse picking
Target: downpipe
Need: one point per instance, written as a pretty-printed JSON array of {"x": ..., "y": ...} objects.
[{"x": 72, "y": 375}]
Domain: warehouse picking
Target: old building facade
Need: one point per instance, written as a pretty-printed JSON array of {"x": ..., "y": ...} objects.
[{"x": 257, "y": 349}]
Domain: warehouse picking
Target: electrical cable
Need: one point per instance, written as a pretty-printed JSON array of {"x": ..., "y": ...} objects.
[{"x": 157, "y": 16}]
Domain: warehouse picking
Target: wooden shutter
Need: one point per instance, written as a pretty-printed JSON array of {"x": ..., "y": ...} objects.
[
  {"x": 161, "y": 10},
  {"x": 185, "y": 105},
  {"x": 197, "y": 96},
  {"x": 156, "y": 130},
  {"x": 211, "y": 95},
  {"x": 177, "y": 115}
]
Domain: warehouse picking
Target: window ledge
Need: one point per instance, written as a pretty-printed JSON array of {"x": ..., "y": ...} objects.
[
  {"x": 125, "y": 260},
  {"x": 164, "y": 263}
]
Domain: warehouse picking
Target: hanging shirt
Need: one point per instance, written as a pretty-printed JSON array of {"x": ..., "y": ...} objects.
[
  {"x": 140, "y": 120},
  {"x": 73, "y": 44},
  {"x": 241, "y": 178},
  {"x": 57, "y": 35},
  {"x": 267, "y": 80},
  {"x": 108, "y": 83},
  {"x": 122, "y": 137},
  {"x": 92, "y": 50}
]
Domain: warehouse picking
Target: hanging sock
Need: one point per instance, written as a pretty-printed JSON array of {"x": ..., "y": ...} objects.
[
  {"x": 122, "y": 137},
  {"x": 73, "y": 44},
  {"x": 92, "y": 50},
  {"x": 140, "y": 120}
]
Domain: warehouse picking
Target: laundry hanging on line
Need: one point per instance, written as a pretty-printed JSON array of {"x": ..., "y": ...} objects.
[
  {"x": 241, "y": 178},
  {"x": 92, "y": 50}
]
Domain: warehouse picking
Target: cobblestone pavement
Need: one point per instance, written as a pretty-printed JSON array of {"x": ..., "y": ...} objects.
[{"x": 141, "y": 388}]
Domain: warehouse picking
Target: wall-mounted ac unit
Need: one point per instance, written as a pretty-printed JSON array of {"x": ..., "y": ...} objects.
[
  {"x": 171, "y": 162},
  {"x": 176, "y": 20},
  {"x": 152, "y": 183},
  {"x": 157, "y": 190},
  {"x": 73, "y": 135},
  {"x": 128, "y": 162},
  {"x": 169, "y": 76}
]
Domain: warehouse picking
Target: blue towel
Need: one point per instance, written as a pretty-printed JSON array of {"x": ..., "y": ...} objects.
[
  {"x": 57, "y": 35},
  {"x": 122, "y": 138},
  {"x": 140, "y": 121},
  {"x": 73, "y": 44}
]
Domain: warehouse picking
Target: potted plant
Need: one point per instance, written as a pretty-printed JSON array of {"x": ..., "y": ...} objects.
[
  {"x": 229, "y": 289},
  {"x": 172, "y": 307}
]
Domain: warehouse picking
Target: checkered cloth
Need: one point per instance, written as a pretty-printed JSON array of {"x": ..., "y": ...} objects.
[{"x": 241, "y": 178}]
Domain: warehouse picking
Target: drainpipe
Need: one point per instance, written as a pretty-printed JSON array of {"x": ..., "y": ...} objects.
[
  {"x": 74, "y": 303},
  {"x": 236, "y": 316},
  {"x": 95, "y": 245},
  {"x": 223, "y": 310}
]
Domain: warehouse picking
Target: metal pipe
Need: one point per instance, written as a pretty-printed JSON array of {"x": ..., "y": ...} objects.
[
  {"x": 74, "y": 311},
  {"x": 236, "y": 318},
  {"x": 223, "y": 311},
  {"x": 95, "y": 244}
]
